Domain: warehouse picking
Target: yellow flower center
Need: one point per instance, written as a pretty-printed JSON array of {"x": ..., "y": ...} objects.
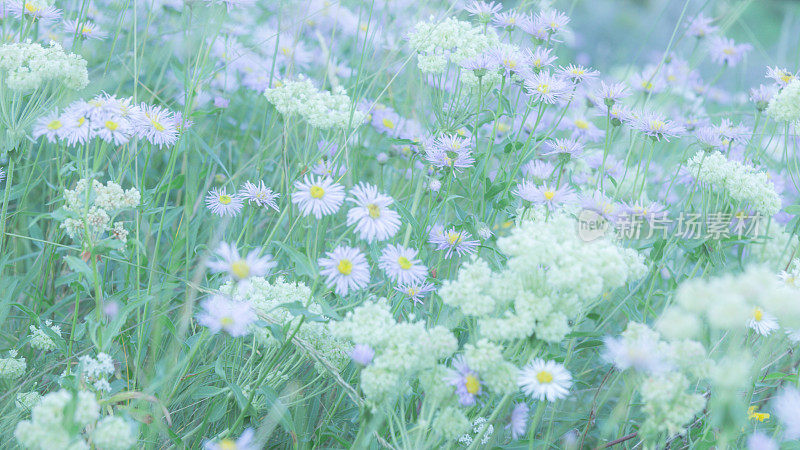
[
  {"x": 388, "y": 123},
  {"x": 543, "y": 88},
  {"x": 225, "y": 199},
  {"x": 374, "y": 210},
  {"x": 156, "y": 124},
  {"x": 582, "y": 124},
  {"x": 647, "y": 85},
  {"x": 111, "y": 125},
  {"x": 544, "y": 377},
  {"x": 786, "y": 78},
  {"x": 510, "y": 64},
  {"x": 472, "y": 384},
  {"x": 81, "y": 120},
  {"x": 31, "y": 8},
  {"x": 226, "y": 321},
  {"x": 758, "y": 314},
  {"x": 503, "y": 127},
  {"x": 227, "y": 444},
  {"x": 54, "y": 125},
  {"x": 453, "y": 238},
  {"x": 345, "y": 267},
  {"x": 405, "y": 264},
  {"x": 657, "y": 125},
  {"x": 316, "y": 192},
  {"x": 548, "y": 195},
  {"x": 286, "y": 51},
  {"x": 728, "y": 51},
  {"x": 86, "y": 30},
  {"x": 240, "y": 269}
]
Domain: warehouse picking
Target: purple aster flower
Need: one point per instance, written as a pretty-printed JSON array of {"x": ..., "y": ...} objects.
[
  {"x": 725, "y": 51},
  {"x": 582, "y": 128},
  {"x": 730, "y": 133},
  {"x": 761, "y": 96},
  {"x": 649, "y": 80},
  {"x": 700, "y": 27},
  {"x": 535, "y": 27},
  {"x": 481, "y": 63},
  {"x": 569, "y": 147},
  {"x": 508, "y": 19},
  {"x": 259, "y": 194},
  {"x": 553, "y": 20},
  {"x": 386, "y": 121},
  {"x": 539, "y": 58},
  {"x": 612, "y": 92},
  {"x": 509, "y": 58},
  {"x": 538, "y": 169},
  {"x": 362, "y": 354},
  {"x": 577, "y": 73},
  {"x": 545, "y": 195},
  {"x": 415, "y": 291},
  {"x": 599, "y": 203},
  {"x": 452, "y": 241},
  {"x": 708, "y": 138},
  {"x": 781, "y": 76},
  {"x": 518, "y": 422},
  {"x": 656, "y": 127},
  {"x": 483, "y": 10},
  {"x": 451, "y": 151},
  {"x": 465, "y": 380},
  {"x": 546, "y": 88}
]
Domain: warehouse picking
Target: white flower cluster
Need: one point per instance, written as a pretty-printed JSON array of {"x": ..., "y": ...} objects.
[
  {"x": 321, "y": 109},
  {"x": 728, "y": 302},
  {"x": 93, "y": 211},
  {"x": 785, "y": 105},
  {"x": 550, "y": 275},
  {"x": 27, "y": 66},
  {"x": 438, "y": 43},
  {"x": 49, "y": 427},
  {"x": 775, "y": 247},
  {"x": 742, "y": 183},
  {"x": 667, "y": 404},
  {"x": 267, "y": 299},
  {"x": 41, "y": 340},
  {"x": 97, "y": 371},
  {"x": 12, "y": 367},
  {"x": 402, "y": 350},
  {"x": 25, "y": 401}
]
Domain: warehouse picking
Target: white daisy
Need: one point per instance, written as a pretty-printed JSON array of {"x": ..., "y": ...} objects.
[
  {"x": 640, "y": 354},
  {"x": 222, "y": 204},
  {"x": 345, "y": 269},
  {"x": 259, "y": 194},
  {"x": 114, "y": 129},
  {"x": 401, "y": 264},
  {"x": 762, "y": 322},
  {"x": 318, "y": 196},
  {"x": 545, "y": 380},
  {"x": 373, "y": 219},
  {"x": 222, "y": 313},
  {"x": 50, "y": 126},
  {"x": 86, "y": 29},
  {"x": 241, "y": 268},
  {"x": 156, "y": 124}
]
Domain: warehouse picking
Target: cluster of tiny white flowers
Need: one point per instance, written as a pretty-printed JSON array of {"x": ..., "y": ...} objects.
[
  {"x": 12, "y": 367},
  {"x": 92, "y": 212},
  {"x": 785, "y": 105},
  {"x": 550, "y": 274},
  {"x": 47, "y": 429},
  {"x": 438, "y": 43},
  {"x": 402, "y": 350},
  {"x": 321, "y": 109},
  {"x": 28, "y": 66},
  {"x": 41, "y": 340},
  {"x": 268, "y": 300},
  {"x": 743, "y": 183},
  {"x": 97, "y": 371}
]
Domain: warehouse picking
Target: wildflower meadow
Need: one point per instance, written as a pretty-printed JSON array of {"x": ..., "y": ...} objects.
[{"x": 399, "y": 224}]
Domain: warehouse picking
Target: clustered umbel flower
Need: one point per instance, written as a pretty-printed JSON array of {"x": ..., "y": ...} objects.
[
  {"x": 402, "y": 349},
  {"x": 112, "y": 120},
  {"x": 65, "y": 420},
  {"x": 550, "y": 277},
  {"x": 97, "y": 371},
  {"x": 27, "y": 66},
  {"x": 321, "y": 109},
  {"x": 269, "y": 300},
  {"x": 41, "y": 340},
  {"x": 785, "y": 105},
  {"x": 12, "y": 367},
  {"x": 744, "y": 184},
  {"x": 450, "y": 40},
  {"x": 91, "y": 214}
]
